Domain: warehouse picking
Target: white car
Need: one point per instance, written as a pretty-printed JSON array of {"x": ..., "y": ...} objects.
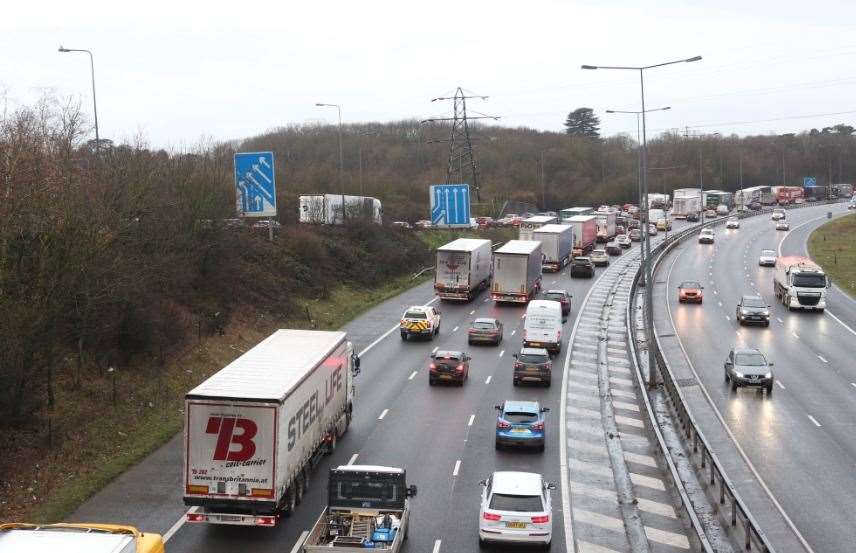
[
  {"x": 623, "y": 240},
  {"x": 782, "y": 224},
  {"x": 516, "y": 508},
  {"x": 705, "y": 236},
  {"x": 652, "y": 229},
  {"x": 599, "y": 258},
  {"x": 733, "y": 222},
  {"x": 852, "y": 204},
  {"x": 778, "y": 214},
  {"x": 767, "y": 258}
]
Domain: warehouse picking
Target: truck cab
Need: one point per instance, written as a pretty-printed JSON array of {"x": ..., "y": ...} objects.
[{"x": 368, "y": 507}]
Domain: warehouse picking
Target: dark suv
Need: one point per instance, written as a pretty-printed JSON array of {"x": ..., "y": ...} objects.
[
  {"x": 748, "y": 367},
  {"x": 449, "y": 366},
  {"x": 582, "y": 266},
  {"x": 753, "y": 310},
  {"x": 532, "y": 364}
]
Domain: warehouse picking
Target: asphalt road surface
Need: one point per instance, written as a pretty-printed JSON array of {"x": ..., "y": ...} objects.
[{"x": 801, "y": 439}]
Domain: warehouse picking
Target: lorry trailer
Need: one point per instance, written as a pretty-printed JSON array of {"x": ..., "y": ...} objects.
[
  {"x": 528, "y": 226},
  {"x": 326, "y": 209},
  {"x": 557, "y": 241},
  {"x": 254, "y": 430},
  {"x": 800, "y": 283},
  {"x": 683, "y": 206},
  {"x": 462, "y": 269},
  {"x": 585, "y": 233},
  {"x": 569, "y": 212},
  {"x": 516, "y": 271},
  {"x": 606, "y": 221}
]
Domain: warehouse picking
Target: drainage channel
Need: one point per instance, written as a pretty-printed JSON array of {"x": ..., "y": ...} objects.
[{"x": 621, "y": 500}]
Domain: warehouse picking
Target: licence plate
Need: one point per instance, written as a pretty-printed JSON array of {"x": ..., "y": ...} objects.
[
  {"x": 519, "y": 430},
  {"x": 445, "y": 377},
  {"x": 515, "y": 525},
  {"x": 229, "y": 518},
  {"x": 535, "y": 344}
]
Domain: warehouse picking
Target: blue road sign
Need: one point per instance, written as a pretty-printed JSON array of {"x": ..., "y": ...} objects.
[
  {"x": 255, "y": 184},
  {"x": 450, "y": 205},
  {"x": 809, "y": 182}
]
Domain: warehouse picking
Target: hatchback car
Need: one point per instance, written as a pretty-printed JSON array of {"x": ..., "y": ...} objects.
[
  {"x": 652, "y": 229},
  {"x": 599, "y": 258},
  {"x": 778, "y": 214},
  {"x": 561, "y": 296},
  {"x": 782, "y": 224},
  {"x": 582, "y": 266},
  {"x": 690, "y": 291},
  {"x": 710, "y": 214},
  {"x": 705, "y": 236},
  {"x": 767, "y": 258},
  {"x": 485, "y": 330},
  {"x": 516, "y": 508},
  {"x": 533, "y": 365},
  {"x": 692, "y": 217},
  {"x": 520, "y": 423},
  {"x": 635, "y": 235},
  {"x": 753, "y": 310},
  {"x": 748, "y": 367},
  {"x": 623, "y": 240},
  {"x": 613, "y": 248},
  {"x": 449, "y": 366},
  {"x": 733, "y": 222}
]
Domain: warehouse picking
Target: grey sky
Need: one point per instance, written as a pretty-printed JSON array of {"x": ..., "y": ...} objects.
[{"x": 178, "y": 71}]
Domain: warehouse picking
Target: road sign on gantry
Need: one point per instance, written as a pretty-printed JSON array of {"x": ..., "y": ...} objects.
[
  {"x": 809, "y": 182},
  {"x": 255, "y": 184},
  {"x": 450, "y": 205}
]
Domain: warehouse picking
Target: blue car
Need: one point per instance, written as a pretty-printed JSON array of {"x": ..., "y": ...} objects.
[{"x": 520, "y": 423}]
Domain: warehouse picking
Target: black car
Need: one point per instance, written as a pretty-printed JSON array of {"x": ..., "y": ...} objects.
[
  {"x": 533, "y": 364},
  {"x": 582, "y": 267},
  {"x": 692, "y": 217},
  {"x": 748, "y": 367},
  {"x": 613, "y": 248},
  {"x": 449, "y": 366},
  {"x": 485, "y": 330},
  {"x": 753, "y": 310}
]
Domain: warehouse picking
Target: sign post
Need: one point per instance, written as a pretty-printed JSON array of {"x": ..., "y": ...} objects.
[{"x": 255, "y": 186}]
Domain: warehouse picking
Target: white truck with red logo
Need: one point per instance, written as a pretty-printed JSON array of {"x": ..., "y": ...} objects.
[
  {"x": 254, "y": 430},
  {"x": 463, "y": 269}
]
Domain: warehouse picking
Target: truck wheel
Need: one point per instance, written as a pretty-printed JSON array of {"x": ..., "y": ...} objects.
[
  {"x": 733, "y": 385},
  {"x": 769, "y": 389},
  {"x": 290, "y": 502},
  {"x": 299, "y": 489},
  {"x": 306, "y": 475},
  {"x": 331, "y": 445},
  {"x": 437, "y": 330}
]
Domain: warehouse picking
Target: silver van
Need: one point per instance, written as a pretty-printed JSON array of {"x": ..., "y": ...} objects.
[{"x": 543, "y": 325}]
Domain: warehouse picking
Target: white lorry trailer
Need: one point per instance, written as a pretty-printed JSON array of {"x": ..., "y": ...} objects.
[
  {"x": 368, "y": 507},
  {"x": 326, "y": 209},
  {"x": 516, "y": 271},
  {"x": 530, "y": 225},
  {"x": 254, "y": 430},
  {"x": 682, "y": 206},
  {"x": 800, "y": 283},
  {"x": 557, "y": 241},
  {"x": 606, "y": 221},
  {"x": 462, "y": 269}
]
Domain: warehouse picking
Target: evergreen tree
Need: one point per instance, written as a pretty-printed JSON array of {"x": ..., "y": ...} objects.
[{"x": 583, "y": 122}]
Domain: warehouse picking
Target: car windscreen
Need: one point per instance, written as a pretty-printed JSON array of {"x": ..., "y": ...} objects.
[
  {"x": 415, "y": 315},
  {"x": 690, "y": 285},
  {"x": 484, "y": 326},
  {"x": 520, "y": 416},
  {"x": 533, "y": 359},
  {"x": 753, "y": 302},
  {"x": 768, "y": 253},
  {"x": 810, "y": 281},
  {"x": 554, "y": 297},
  {"x": 750, "y": 359},
  {"x": 581, "y": 260},
  {"x": 518, "y": 503}
]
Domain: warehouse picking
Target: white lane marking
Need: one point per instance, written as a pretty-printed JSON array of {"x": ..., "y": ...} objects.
[
  {"x": 353, "y": 458},
  {"x": 436, "y": 546},
  {"x": 298, "y": 545},
  {"x": 715, "y": 292},
  {"x": 435, "y": 349},
  {"x": 720, "y": 303},
  {"x": 727, "y": 318},
  {"x": 470, "y": 422},
  {"x": 473, "y": 311},
  {"x": 779, "y": 319},
  {"x": 488, "y": 379},
  {"x": 455, "y": 329},
  {"x": 382, "y": 415},
  {"x": 523, "y": 316},
  {"x": 794, "y": 334},
  {"x": 513, "y": 331},
  {"x": 552, "y": 282},
  {"x": 842, "y": 323},
  {"x": 502, "y": 353},
  {"x": 388, "y": 332},
  {"x": 178, "y": 524},
  {"x": 485, "y": 300},
  {"x": 780, "y": 385},
  {"x": 457, "y": 468},
  {"x": 814, "y": 420},
  {"x": 822, "y": 359},
  {"x": 412, "y": 375}
]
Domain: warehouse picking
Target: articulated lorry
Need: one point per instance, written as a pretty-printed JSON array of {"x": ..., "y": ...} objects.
[
  {"x": 516, "y": 271},
  {"x": 368, "y": 507},
  {"x": 557, "y": 241},
  {"x": 800, "y": 283},
  {"x": 462, "y": 269},
  {"x": 77, "y": 538},
  {"x": 606, "y": 221},
  {"x": 585, "y": 233},
  {"x": 326, "y": 209},
  {"x": 255, "y": 429}
]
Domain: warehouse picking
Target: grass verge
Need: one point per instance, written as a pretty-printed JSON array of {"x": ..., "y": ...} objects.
[{"x": 833, "y": 246}]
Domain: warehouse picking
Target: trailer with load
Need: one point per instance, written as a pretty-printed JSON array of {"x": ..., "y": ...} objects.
[
  {"x": 91, "y": 538},
  {"x": 462, "y": 269},
  {"x": 516, "y": 271},
  {"x": 557, "y": 241},
  {"x": 800, "y": 283},
  {"x": 585, "y": 233},
  {"x": 786, "y": 195},
  {"x": 255, "y": 429}
]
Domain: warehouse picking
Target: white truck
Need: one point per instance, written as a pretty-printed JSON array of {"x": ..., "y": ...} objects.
[
  {"x": 530, "y": 225},
  {"x": 326, "y": 209},
  {"x": 516, "y": 271},
  {"x": 660, "y": 218},
  {"x": 606, "y": 221},
  {"x": 557, "y": 241},
  {"x": 254, "y": 430},
  {"x": 800, "y": 283},
  {"x": 686, "y": 201},
  {"x": 462, "y": 269},
  {"x": 368, "y": 507}
]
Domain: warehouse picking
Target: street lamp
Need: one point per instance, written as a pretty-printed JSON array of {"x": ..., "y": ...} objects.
[
  {"x": 361, "y": 134},
  {"x": 341, "y": 184},
  {"x": 649, "y": 283},
  {"x": 94, "y": 104}
]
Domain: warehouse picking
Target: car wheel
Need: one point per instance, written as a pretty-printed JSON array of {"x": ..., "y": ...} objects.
[
  {"x": 431, "y": 381},
  {"x": 547, "y": 382},
  {"x": 516, "y": 382},
  {"x": 437, "y": 330},
  {"x": 734, "y": 386},
  {"x": 290, "y": 502},
  {"x": 497, "y": 445},
  {"x": 469, "y": 342},
  {"x": 766, "y": 324},
  {"x": 541, "y": 448},
  {"x": 404, "y": 336}
]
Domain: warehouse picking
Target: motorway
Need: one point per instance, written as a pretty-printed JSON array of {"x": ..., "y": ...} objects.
[
  {"x": 443, "y": 436},
  {"x": 800, "y": 440}
]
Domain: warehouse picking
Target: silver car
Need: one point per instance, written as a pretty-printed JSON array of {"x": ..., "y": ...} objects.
[
  {"x": 747, "y": 367},
  {"x": 767, "y": 258}
]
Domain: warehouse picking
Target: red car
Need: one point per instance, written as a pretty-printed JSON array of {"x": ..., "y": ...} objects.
[
  {"x": 449, "y": 366},
  {"x": 690, "y": 292},
  {"x": 561, "y": 296}
]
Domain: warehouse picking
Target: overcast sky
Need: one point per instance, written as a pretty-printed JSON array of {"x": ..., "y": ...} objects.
[{"x": 179, "y": 71}]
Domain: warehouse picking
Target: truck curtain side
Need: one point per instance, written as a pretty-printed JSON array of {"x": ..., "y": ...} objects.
[
  {"x": 585, "y": 233},
  {"x": 462, "y": 269},
  {"x": 557, "y": 241},
  {"x": 516, "y": 271}
]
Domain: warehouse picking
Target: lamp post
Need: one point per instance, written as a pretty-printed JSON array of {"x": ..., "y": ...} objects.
[
  {"x": 649, "y": 283},
  {"x": 341, "y": 183},
  {"x": 94, "y": 103},
  {"x": 361, "y": 134}
]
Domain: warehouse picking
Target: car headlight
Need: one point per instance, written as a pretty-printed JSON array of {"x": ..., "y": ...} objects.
[
  {"x": 765, "y": 312},
  {"x": 744, "y": 312},
  {"x": 768, "y": 375},
  {"x": 738, "y": 374}
]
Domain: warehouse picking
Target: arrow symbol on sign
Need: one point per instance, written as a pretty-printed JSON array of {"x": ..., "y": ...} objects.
[
  {"x": 264, "y": 162},
  {"x": 257, "y": 170},
  {"x": 261, "y": 188}
]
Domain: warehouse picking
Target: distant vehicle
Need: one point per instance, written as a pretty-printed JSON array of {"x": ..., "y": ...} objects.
[
  {"x": 721, "y": 210},
  {"x": 652, "y": 229},
  {"x": 516, "y": 271},
  {"x": 542, "y": 327},
  {"x": 420, "y": 320},
  {"x": 782, "y": 224},
  {"x": 606, "y": 223},
  {"x": 733, "y": 222},
  {"x": 599, "y": 258},
  {"x": 485, "y": 330},
  {"x": 778, "y": 214},
  {"x": 767, "y": 258},
  {"x": 233, "y": 223},
  {"x": 705, "y": 236},
  {"x": 635, "y": 235},
  {"x": 561, "y": 296},
  {"x": 326, "y": 209},
  {"x": 660, "y": 219},
  {"x": 752, "y": 309},
  {"x": 800, "y": 283},
  {"x": 748, "y": 367},
  {"x": 755, "y": 206},
  {"x": 692, "y": 217},
  {"x": 582, "y": 266},
  {"x": 683, "y": 206},
  {"x": 363, "y": 497},
  {"x": 520, "y": 423},
  {"x": 585, "y": 233},
  {"x": 485, "y": 222},
  {"x": 516, "y": 508},
  {"x": 613, "y": 248},
  {"x": 690, "y": 291},
  {"x": 91, "y": 538},
  {"x": 852, "y": 204},
  {"x": 473, "y": 223},
  {"x": 634, "y": 223},
  {"x": 401, "y": 224},
  {"x": 422, "y": 224},
  {"x": 449, "y": 366},
  {"x": 623, "y": 240},
  {"x": 557, "y": 242},
  {"x": 462, "y": 269},
  {"x": 266, "y": 224},
  {"x": 567, "y": 213},
  {"x": 533, "y": 364},
  {"x": 712, "y": 213}
]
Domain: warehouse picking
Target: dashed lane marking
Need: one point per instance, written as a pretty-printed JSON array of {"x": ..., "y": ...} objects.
[
  {"x": 472, "y": 312},
  {"x": 513, "y": 332},
  {"x": 822, "y": 359},
  {"x": 780, "y": 385},
  {"x": 457, "y": 468},
  {"x": 353, "y": 458},
  {"x": 455, "y": 329},
  {"x": 436, "y": 546},
  {"x": 488, "y": 379},
  {"x": 412, "y": 375},
  {"x": 435, "y": 349},
  {"x": 814, "y": 420},
  {"x": 470, "y": 422},
  {"x": 502, "y": 353},
  {"x": 383, "y": 414},
  {"x": 794, "y": 334}
]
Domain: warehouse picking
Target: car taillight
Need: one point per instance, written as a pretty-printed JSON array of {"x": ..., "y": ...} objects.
[
  {"x": 265, "y": 521},
  {"x": 541, "y": 519},
  {"x": 518, "y": 365},
  {"x": 500, "y": 423},
  {"x": 538, "y": 426},
  {"x": 491, "y": 516},
  {"x": 432, "y": 366},
  {"x": 195, "y": 517},
  {"x": 459, "y": 368}
]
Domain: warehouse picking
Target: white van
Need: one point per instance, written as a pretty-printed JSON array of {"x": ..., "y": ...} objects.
[{"x": 543, "y": 325}]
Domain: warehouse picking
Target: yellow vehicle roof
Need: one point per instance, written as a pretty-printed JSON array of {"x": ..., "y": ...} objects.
[{"x": 77, "y": 538}]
